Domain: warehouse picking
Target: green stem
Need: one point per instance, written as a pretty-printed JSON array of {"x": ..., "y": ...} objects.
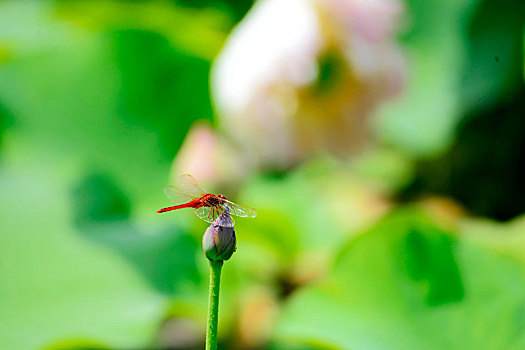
[{"x": 213, "y": 304}]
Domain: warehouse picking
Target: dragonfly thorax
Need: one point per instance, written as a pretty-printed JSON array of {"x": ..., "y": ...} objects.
[{"x": 211, "y": 200}]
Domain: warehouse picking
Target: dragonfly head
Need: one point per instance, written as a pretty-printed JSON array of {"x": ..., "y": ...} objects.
[{"x": 221, "y": 196}]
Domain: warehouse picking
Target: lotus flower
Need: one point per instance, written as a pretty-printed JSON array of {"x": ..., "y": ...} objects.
[{"x": 297, "y": 77}]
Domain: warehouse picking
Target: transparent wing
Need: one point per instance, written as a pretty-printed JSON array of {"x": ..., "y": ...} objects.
[
  {"x": 205, "y": 213},
  {"x": 190, "y": 185},
  {"x": 177, "y": 195},
  {"x": 210, "y": 214},
  {"x": 240, "y": 210}
]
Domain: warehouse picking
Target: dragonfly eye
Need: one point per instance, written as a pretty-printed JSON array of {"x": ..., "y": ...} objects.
[{"x": 221, "y": 196}]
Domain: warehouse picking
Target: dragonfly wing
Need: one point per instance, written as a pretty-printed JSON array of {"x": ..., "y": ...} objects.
[
  {"x": 178, "y": 195},
  {"x": 240, "y": 210},
  {"x": 190, "y": 185},
  {"x": 205, "y": 213},
  {"x": 210, "y": 214}
]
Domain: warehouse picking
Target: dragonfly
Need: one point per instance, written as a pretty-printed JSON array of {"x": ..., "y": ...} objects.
[{"x": 206, "y": 206}]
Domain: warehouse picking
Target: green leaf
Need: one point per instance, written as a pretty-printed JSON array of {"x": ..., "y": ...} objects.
[
  {"x": 406, "y": 284},
  {"x": 84, "y": 97},
  {"x": 55, "y": 285},
  {"x": 423, "y": 118},
  {"x": 495, "y": 55},
  {"x": 506, "y": 239},
  {"x": 77, "y": 344}
]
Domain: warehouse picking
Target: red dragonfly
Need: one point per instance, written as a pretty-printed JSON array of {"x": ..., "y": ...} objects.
[{"x": 206, "y": 206}]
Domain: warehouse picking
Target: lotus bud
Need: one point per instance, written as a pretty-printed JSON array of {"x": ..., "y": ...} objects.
[{"x": 219, "y": 241}]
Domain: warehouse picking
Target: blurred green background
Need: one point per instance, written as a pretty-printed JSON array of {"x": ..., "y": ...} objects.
[{"x": 389, "y": 218}]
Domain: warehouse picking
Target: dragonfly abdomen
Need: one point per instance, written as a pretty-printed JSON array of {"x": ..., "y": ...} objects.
[{"x": 192, "y": 204}]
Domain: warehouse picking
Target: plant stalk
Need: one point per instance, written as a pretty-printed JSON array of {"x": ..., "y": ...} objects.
[{"x": 213, "y": 304}]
